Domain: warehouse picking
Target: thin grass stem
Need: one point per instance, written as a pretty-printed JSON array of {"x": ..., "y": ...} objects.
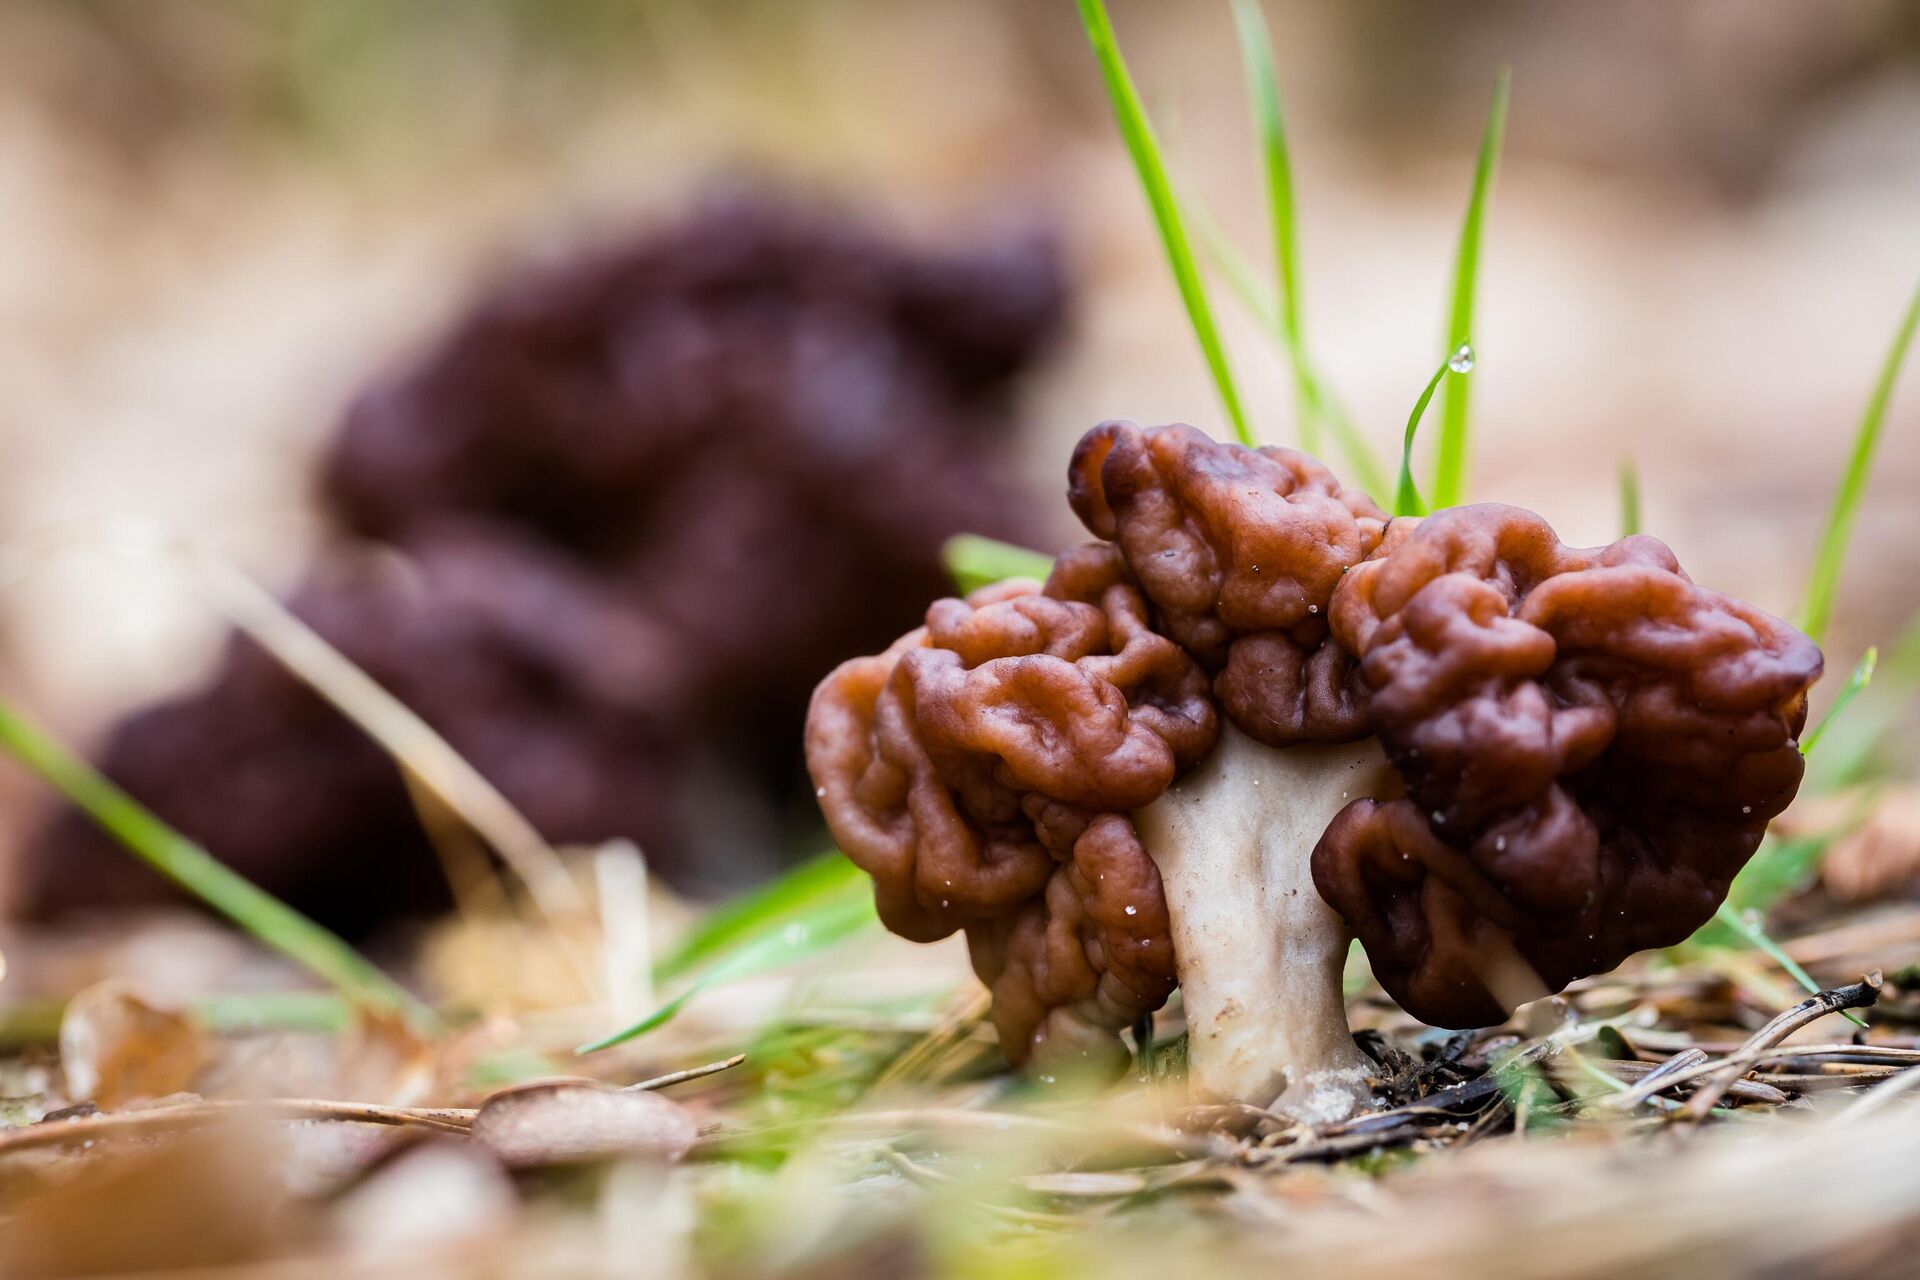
[
  {"x": 1363, "y": 465},
  {"x": 1629, "y": 498},
  {"x": 1450, "y": 455},
  {"x": 185, "y": 863},
  {"x": 1150, "y": 166},
  {"x": 1830, "y": 560},
  {"x": 1406, "y": 497},
  {"x": 1263, "y": 95},
  {"x": 1856, "y": 683}
]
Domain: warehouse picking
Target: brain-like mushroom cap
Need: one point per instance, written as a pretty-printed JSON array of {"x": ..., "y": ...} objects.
[
  {"x": 1592, "y": 747},
  {"x": 982, "y": 771},
  {"x": 1240, "y": 551}
]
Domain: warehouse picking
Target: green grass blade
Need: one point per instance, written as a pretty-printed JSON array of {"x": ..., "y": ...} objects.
[
  {"x": 1151, "y": 168},
  {"x": 192, "y": 868},
  {"x": 1363, "y": 466},
  {"x": 1852, "y": 748},
  {"x": 1243, "y": 281},
  {"x": 822, "y": 882},
  {"x": 1861, "y": 677},
  {"x": 1756, "y": 938},
  {"x": 974, "y": 562},
  {"x": 797, "y": 940},
  {"x": 1263, "y": 93},
  {"x": 1406, "y": 497},
  {"x": 1629, "y": 498},
  {"x": 1824, "y": 581},
  {"x": 1450, "y": 457}
]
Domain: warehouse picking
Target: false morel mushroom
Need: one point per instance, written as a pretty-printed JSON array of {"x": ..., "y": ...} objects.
[{"x": 1278, "y": 719}]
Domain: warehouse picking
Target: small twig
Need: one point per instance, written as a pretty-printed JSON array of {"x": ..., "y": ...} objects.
[
  {"x": 1638, "y": 1073},
  {"x": 1857, "y": 995},
  {"x": 121, "y": 1124},
  {"x": 1658, "y": 1079},
  {"x": 691, "y": 1073}
]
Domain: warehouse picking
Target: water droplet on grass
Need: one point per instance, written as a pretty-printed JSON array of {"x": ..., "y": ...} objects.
[{"x": 1461, "y": 361}]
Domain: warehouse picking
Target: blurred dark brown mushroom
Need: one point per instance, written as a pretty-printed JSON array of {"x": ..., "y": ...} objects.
[{"x": 629, "y": 506}]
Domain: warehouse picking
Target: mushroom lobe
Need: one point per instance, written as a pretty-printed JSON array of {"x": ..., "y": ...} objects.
[
  {"x": 983, "y": 771},
  {"x": 1239, "y": 551},
  {"x": 1592, "y": 746}
]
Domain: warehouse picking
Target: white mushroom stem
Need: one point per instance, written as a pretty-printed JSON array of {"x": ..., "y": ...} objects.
[{"x": 1260, "y": 954}]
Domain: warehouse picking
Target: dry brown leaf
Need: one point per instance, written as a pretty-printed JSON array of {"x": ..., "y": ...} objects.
[
  {"x": 116, "y": 1048},
  {"x": 1881, "y": 857},
  {"x": 547, "y": 1122},
  {"x": 383, "y": 1059},
  {"x": 208, "y": 1198}
]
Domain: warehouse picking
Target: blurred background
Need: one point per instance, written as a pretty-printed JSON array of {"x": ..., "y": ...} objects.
[{"x": 597, "y": 374}]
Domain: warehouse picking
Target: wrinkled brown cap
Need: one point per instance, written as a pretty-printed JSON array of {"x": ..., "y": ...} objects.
[
  {"x": 1240, "y": 551},
  {"x": 982, "y": 770},
  {"x": 1592, "y": 747}
]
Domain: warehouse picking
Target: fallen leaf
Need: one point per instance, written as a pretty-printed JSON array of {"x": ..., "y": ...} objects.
[
  {"x": 199, "y": 1201},
  {"x": 549, "y": 1122},
  {"x": 384, "y": 1059},
  {"x": 116, "y": 1048},
  {"x": 1881, "y": 857}
]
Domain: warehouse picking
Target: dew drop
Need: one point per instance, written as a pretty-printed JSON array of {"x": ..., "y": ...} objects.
[
  {"x": 1132, "y": 911},
  {"x": 819, "y": 791},
  {"x": 1461, "y": 361},
  {"x": 945, "y": 903},
  {"x": 1313, "y": 608},
  {"x": 1438, "y": 817},
  {"x": 1499, "y": 844},
  {"x": 1746, "y": 808}
]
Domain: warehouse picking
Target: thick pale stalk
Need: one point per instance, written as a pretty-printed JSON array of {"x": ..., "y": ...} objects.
[{"x": 1260, "y": 953}]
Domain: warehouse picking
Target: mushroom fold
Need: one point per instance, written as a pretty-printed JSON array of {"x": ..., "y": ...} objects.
[
  {"x": 1592, "y": 747},
  {"x": 983, "y": 770}
]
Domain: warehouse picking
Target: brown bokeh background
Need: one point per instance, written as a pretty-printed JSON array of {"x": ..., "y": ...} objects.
[{"x": 223, "y": 218}]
